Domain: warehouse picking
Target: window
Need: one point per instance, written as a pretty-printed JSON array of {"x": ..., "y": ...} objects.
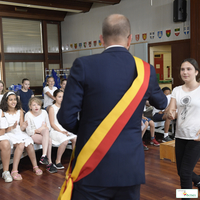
[
  {"x": 23, "y": 54},
  {"x": 22, "y": 36},
  {"x": 52, "y": 38},
  {"x": 16, "y": 71}
]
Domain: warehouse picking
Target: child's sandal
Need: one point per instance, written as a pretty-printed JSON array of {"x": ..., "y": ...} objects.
[
  {"x": 16, "y": 177},
  {"x": 37, "y": 171}
]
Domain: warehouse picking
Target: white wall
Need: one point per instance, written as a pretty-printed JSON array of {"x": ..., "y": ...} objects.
[{"x": 144, "y": 18}]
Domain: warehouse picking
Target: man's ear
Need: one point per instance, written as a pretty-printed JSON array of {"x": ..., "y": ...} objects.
[
  {"x": 129, "y": 41},
  {"x": 102, "y": 40}
]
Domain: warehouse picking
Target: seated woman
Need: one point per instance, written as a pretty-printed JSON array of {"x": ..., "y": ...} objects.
[{"x": 5, "y": 148}]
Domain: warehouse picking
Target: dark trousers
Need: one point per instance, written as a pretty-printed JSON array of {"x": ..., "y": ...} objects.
[
  {"x": 84, "y": 192},
  {"x": 187, "y": 155}
]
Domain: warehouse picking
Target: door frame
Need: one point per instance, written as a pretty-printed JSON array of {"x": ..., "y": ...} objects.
[{"x": 180, "y": 50}]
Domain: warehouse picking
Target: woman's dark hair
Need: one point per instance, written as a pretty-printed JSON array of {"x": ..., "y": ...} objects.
[
  {"x": 193, "y": 62},
  {"x": 4, "y": 104},
  {"x": 55, "y": 93}
]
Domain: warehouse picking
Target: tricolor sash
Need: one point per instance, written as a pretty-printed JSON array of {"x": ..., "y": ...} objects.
[{"x": 107, "y": 132}]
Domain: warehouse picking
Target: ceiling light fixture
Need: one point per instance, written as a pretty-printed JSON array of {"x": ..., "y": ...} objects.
[{"x": 39, "y": 7}]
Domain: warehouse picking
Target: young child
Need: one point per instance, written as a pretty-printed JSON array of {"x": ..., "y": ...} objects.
[
  {"x": 25, "y": 94},
  {"x": 150, "y": 122},
  {"x": 160, "y": 115},
  {"x": 2, "y": 89},
  {"x": 59, "y": 135},
  {"x": 38, "y": 128},
  {"x": 63, "y": 84},
  {"x": 48, "y": 93},
  {"x": 5, "y": 148},
  {"x": 11, "y": 107}
]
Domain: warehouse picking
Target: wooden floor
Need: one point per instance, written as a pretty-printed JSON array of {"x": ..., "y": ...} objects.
[{"x": 161, "y": 179}]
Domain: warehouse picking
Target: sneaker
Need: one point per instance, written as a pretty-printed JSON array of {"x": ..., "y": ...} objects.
[
  {"x": 44, "y": 160},
  {"x": 172, "y": 136},
  {"x": 59, "y": 166},
  {"x": 155, "y": 143},
  {"x": 197, "y": 184},
  {"x": 166, "y": 139},
  {"x": 7, "y": 177},
  {"x": 51, "y": 168},
  {"x": 145, "y": 147}
]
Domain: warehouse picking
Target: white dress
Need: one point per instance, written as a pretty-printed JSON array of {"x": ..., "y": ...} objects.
[
  {"x": 17, "y": 136},
  {"x": 58, "y": 137},
  {"x": 3, "y": 125},
  {"x": 35, "y": 122}
]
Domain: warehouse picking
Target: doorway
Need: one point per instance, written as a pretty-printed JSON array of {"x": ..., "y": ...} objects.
[{"x": 161, "y": 59}]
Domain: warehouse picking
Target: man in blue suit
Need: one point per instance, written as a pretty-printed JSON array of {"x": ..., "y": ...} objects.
[{"x": 95, "y": 85}]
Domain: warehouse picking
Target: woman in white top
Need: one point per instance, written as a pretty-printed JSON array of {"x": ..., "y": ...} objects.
[
  {"x": 5, "y": 148},
  {"x": 48, "y": 93},
  {"x": 186, "y": 99},
  {"x": 59, "y": 135}
]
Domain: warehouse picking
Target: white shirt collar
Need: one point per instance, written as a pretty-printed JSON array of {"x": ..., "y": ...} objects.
[{"x": 114, "y": 46}]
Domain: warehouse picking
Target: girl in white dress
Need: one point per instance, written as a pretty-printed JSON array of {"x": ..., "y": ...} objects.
[
  {"x": 5, "y": 148},
  {"x": 15, "y": 131},
  {"x": 38, "y": 128},
  {"x": 59, "y": 135}
]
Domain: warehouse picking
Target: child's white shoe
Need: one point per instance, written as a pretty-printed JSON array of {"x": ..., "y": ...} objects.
[{"x": 7, "y": 177}]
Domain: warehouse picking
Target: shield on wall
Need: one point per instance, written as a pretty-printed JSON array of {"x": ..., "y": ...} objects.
[
  {"x": 151, "y": 35},
  {"x": 90, "y": 43},
  {"x": 177, "y": 31},
  {"x": 144, "y": 36},
  {"x": 137, "y": 37},
  {"x": 160, "y": 34},
  {"x": 168, "y": 33}
]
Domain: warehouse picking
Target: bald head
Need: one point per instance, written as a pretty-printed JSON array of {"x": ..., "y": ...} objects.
[{"x": 116, "y": 29}]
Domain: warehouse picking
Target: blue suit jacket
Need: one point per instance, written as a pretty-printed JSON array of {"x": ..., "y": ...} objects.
[{"x": 95, "y": 85}]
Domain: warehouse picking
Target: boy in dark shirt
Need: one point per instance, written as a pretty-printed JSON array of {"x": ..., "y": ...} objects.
[{"x": 25, "y": 94}]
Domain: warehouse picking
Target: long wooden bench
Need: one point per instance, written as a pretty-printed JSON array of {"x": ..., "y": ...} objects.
[{"x": 36, "y": 147}]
